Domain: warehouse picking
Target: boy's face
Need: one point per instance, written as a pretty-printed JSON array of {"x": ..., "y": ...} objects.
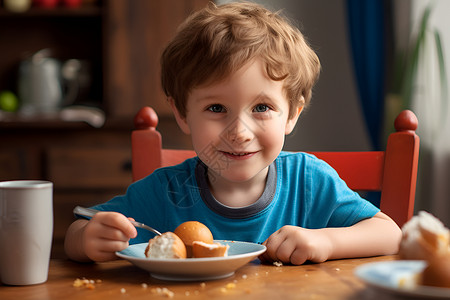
[{"x": 238, "y": 125}]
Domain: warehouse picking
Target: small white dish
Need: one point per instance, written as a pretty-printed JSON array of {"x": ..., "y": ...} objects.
[
  {"x": 194, "y": 269},
  {"x": 397, "y": 277}
]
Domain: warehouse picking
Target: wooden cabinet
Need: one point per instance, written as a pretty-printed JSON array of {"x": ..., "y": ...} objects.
[
  {"x": 11, "y": 163},
  {"x": 67, "y": 33},
  {"x": 93, "y": 167},
  {"x": 86, "y": 165},
  {"x": 122, "y": 40},
  {"x": 130, "y": 30}
]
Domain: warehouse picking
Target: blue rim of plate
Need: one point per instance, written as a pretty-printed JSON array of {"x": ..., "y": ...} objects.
[
  {"x": 386, "y": 276},
  {"x": 257, "y": 249},
  {"x": 194, "y": 269}
]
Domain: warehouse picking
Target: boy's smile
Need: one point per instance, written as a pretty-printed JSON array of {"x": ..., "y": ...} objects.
[
  {"x": 235, "y": 155},
  {"x": 238, "y": 126}
]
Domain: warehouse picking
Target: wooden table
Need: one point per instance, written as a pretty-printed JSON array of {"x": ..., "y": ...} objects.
[{"x": 121, "y": 280}]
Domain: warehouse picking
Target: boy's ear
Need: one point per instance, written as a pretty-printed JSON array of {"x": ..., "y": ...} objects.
[
  {"x": 181, "y": 121},
  {"x": 290, "y": 123}
]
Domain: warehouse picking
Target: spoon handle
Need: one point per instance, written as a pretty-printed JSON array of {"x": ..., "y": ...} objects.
[{"x": 89, "y": 212}]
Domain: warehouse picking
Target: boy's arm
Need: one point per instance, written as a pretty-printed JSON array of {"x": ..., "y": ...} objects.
[
  {"x": 378, "y": 235},
  {"x": 73, "y": 241},
  {"x": 99, "y": 238}
]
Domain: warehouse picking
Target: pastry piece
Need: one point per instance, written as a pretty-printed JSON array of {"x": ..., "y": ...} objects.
[
  {"x": 201, "y": 249},
  {"x": 166, "y": 245},
  {"x": 192, "y": 231},
  {"x": 424, "y": 236},
  {"x": 437, "y": 273}
]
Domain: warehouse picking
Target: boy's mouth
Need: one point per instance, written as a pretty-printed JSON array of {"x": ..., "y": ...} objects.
[{"x": 238, "y": 155}]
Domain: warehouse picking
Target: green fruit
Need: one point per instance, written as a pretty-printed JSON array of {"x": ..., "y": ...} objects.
[{"x": 8, "y": 101}]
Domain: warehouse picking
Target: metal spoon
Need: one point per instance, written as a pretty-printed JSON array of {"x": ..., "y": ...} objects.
[{"x": 89, "y": 212}]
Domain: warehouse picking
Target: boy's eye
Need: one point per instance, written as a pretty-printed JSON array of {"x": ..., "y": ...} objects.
[
  {"x": 216, "y": 108},
  {"x": 261, "y": 108}
]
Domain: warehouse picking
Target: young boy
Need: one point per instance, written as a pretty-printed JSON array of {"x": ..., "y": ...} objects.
[{"x": 237, "y": 77}]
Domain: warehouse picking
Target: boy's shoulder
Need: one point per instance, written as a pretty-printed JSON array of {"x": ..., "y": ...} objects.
[
  {"x": 303, "y": 160},
  {"x": 292, "y": 156},
  {"x": 179, "y": 173},
  {"x": 186, "y": 166}
]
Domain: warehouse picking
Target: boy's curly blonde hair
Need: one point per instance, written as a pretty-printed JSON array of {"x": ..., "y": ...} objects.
[{"x": 218, "y": 40}]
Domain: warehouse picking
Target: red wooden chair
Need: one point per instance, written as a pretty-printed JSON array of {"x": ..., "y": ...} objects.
[{"x": 393, "y": 172}]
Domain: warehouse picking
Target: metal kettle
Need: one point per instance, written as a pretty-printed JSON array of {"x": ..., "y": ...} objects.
[
  {"x": 40, "y": 87},
  {"x": 46, "y": 84}
]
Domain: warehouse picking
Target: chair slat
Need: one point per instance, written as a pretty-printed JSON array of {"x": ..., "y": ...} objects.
[{"x": 362, "y": 171}]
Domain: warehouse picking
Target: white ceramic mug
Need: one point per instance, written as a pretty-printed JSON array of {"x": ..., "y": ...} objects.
[{"x": 26, "y": 230}]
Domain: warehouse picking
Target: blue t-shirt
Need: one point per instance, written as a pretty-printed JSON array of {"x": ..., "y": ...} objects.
[{"x": 301, "y": 190}]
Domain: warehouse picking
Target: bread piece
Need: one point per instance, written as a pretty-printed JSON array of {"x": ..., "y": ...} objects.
[
  {"x": 437, "y": 273},
  {"x": 193, "y": 231},
  {"x": 424, "y": 236},
  {"x": 201, "y": 249},
  {"x": 166, "y": 245}
]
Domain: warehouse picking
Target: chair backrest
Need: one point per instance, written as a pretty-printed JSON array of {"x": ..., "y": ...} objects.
[{"x": 393, "y": 171}]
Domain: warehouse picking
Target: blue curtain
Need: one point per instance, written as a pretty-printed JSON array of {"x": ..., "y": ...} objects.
[{"x": 367, "y": 36}]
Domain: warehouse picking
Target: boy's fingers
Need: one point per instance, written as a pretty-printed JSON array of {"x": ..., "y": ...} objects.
[
  {"x": 285, "y": 251},
  {"x": 113, "y": 246},
  {"x": 114, "y": 234},
  {"x": 273, "y": 243},
  {"x": 118, "y": 221},
  {"x": 298, "y": 258},
  {"x": 103, "y": 255}
]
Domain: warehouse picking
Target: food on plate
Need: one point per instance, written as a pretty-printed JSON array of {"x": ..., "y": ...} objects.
[
  {"x": 202, "y": 249},
  {"x": 424, "y": 237},
  {"x": 437, "y": 273},
  {"x": 166, "y": 245},
  {"x": 190, "y": 239},
  {"x": 192, "y": 231}
]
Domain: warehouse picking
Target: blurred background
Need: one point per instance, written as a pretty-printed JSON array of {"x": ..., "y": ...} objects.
[{"x": 73, "y": 73}]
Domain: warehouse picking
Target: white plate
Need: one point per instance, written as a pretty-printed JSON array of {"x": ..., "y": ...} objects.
[
  {"x": 397, "y": 277},
  {"x": 194, "y": 269}
]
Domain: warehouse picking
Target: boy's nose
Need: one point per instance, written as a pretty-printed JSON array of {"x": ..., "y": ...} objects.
[{"x": 239, "y": 131}]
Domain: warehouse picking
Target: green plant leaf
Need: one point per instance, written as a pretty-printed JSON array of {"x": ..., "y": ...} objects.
[
  {"x": 413, "y": 59},
  {"x": 442, "y": 77}
]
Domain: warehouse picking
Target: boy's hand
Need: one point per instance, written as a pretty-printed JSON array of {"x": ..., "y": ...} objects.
[
  {"x": 296, "y": 245},
  {"x": 106, "y": 233}
]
